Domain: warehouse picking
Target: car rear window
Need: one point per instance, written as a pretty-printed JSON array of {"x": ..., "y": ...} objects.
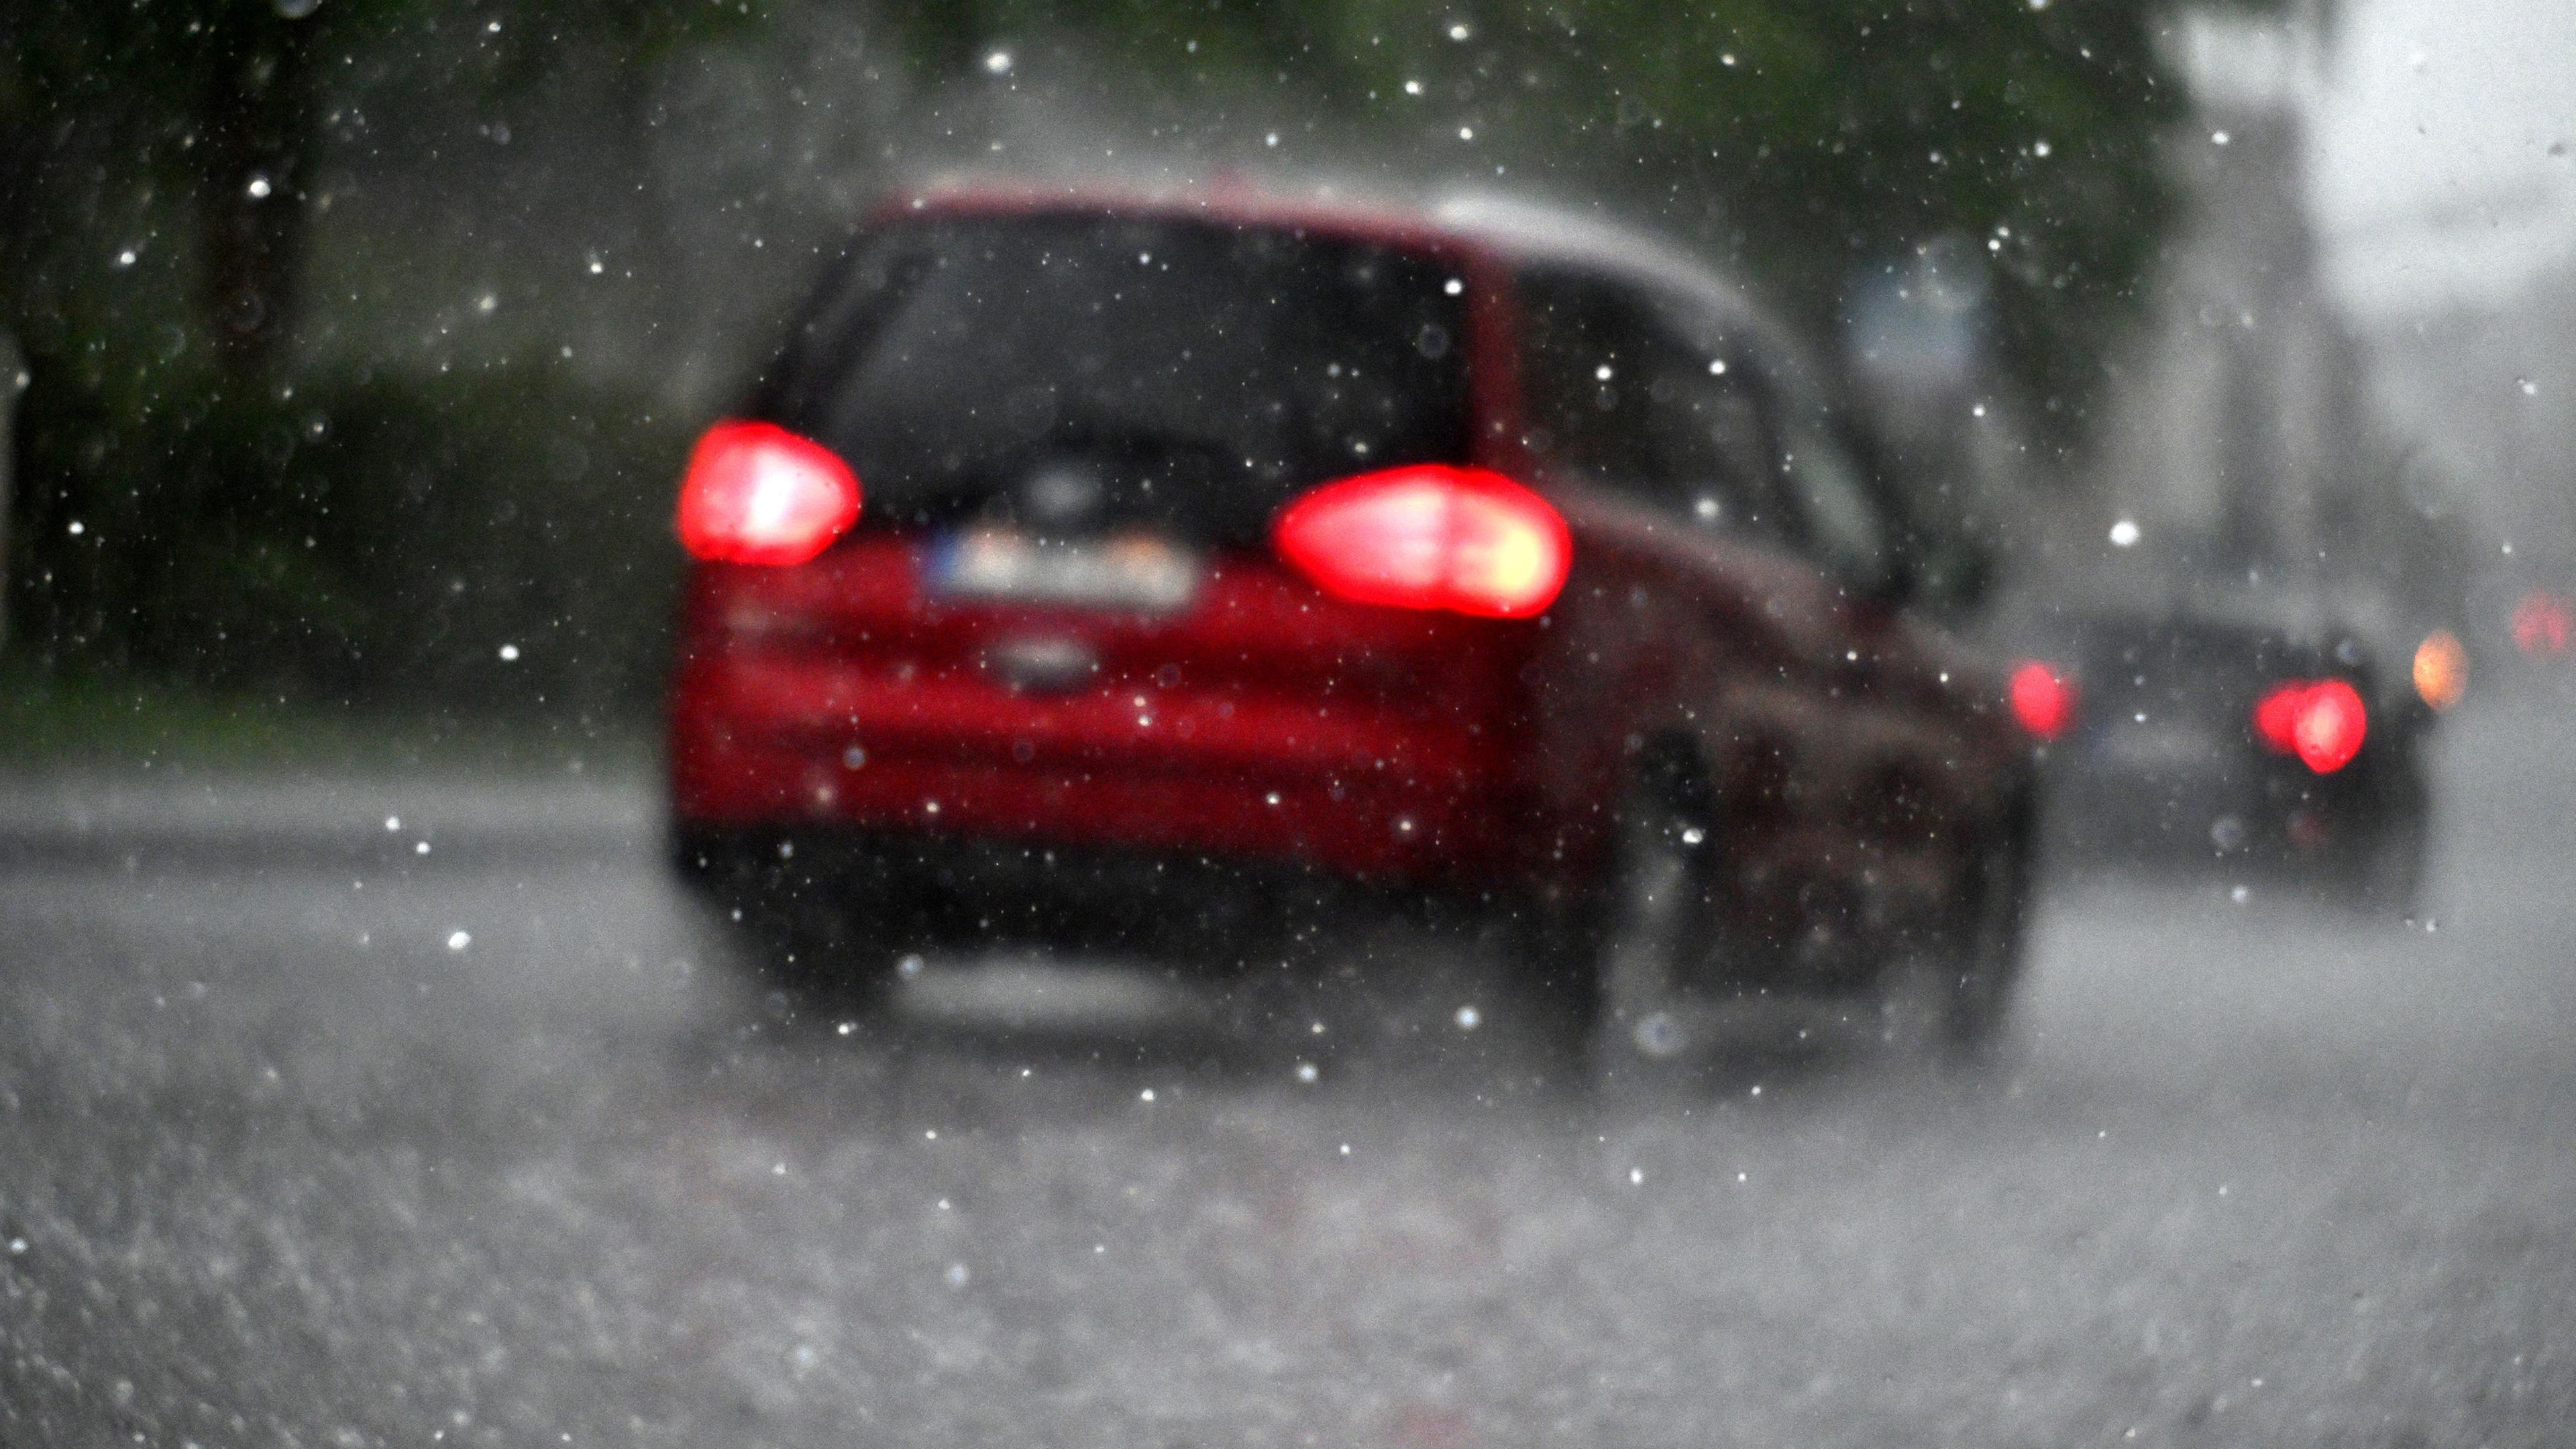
[
  {"x": 1077, "y": 373},
  {"x": 2189, "y": 667}
]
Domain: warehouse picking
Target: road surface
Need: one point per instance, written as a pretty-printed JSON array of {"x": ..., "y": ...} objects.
[{"x": 310, "y": 1138}]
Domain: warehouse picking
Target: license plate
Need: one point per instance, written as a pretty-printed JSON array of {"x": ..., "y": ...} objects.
[
  {"x": 1137, "y": 572},
  {"x": 2162, "y": 747}
]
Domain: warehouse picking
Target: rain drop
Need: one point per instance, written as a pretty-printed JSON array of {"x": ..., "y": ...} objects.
[
  {"x": 2124, "y": 533},
  {"x": 459, "y": 940}
]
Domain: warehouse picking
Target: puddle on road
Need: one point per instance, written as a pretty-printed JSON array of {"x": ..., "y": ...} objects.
[{"x": 1043, "y": 993}]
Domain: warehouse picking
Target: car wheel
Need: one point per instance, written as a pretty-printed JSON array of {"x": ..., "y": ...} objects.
[
  {"x": 789, "y": 923},
  {"x": 1978, "y": 1008},
  {"x": 1653, "y": 939},
  {"x": 2385, "y": 869},
  {"x": 1953, "y": 1001}
]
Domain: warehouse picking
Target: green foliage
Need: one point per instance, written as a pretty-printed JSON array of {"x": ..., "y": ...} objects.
[
  {"x": 366, "y": 539},
  {"x": 1805, "y": 138},
  {"x": 391, "y": 551}
]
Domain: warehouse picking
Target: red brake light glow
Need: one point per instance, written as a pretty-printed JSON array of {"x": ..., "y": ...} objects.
[
  {"x": 1430, "y": 536},
  {"x": 2043, "y": 700},
  {"x": 2322, "y": 721},
  {"x": 756, "y": 493}
]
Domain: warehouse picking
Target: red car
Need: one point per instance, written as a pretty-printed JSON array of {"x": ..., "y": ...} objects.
[{"x": 1179, "y": 571}]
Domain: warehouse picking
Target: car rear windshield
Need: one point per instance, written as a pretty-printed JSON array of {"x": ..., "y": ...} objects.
[
  {"x": 1077, "y": 373},
  {"x": 2191, "y": 666}
]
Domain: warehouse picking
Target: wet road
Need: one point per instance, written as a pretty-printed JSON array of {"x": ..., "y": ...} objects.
[{"x": 487, "y": 1147}]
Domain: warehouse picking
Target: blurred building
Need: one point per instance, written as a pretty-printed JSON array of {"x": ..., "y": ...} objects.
[
  {"x": 2242, "y": 439},
  {"x": 2482, "y": 375},
  {"x": 2443, "y": 153},
  {"x": 1917, "y": 338}
]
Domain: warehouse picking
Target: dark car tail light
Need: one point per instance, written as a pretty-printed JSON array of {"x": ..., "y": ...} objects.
[
  {"x": 756, "y": 493},
  {"x": 2322, "y": 721},
  {"x": 1430, "y": 536},
  {"x": 2043, "y": 700}
]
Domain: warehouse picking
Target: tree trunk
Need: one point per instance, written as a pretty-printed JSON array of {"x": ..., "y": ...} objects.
[
  {"x": 254, "y": 134},
  {"x": 12, "y": 362}
]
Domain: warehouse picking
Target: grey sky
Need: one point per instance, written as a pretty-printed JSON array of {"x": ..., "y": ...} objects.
[{"x": 2432, "y": 138}]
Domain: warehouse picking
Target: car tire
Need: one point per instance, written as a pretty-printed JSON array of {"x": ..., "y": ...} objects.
[
  {"x": 1953, "y": 1002},
  {"x": 1998, "y": 933},
  {"x": 790, "y": 925},
  {"x": 2384, "y": 870},
  {"x": 1652, "y": 942}
]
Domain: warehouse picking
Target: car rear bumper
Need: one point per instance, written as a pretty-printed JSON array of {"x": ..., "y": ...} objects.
[
  {"x": 2229, "y": 804},
  {"x": 779, "y": 742},
  {"x": 935, "y": 893}
]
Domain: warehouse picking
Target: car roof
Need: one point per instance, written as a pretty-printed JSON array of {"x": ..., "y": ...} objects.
[
  {"x": 1224, "y": 202},
  {"x": 1517, "y": 230}
]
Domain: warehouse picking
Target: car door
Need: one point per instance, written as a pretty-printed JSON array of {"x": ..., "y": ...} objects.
[
  {"x": 1721, "y": 603},
  {"x": 1687, "y": 624},
  {"x": 1903, "y": 774}
]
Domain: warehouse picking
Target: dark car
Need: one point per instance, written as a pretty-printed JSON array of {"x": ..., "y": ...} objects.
[
  {"x": 2235, "y": 738},
  {"x": 1167, "y": 574}
]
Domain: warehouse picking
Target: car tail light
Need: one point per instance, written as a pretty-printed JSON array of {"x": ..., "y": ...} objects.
[
  {"x": 2544, "y": 623},
  {"x": 1430, "y": 537},
  {"x": 2441, "y": 670},
  {"x": 2322, "y": 721},
  {"x": 2043, "y": 700},
  {"x": 758, "y": 494}
]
